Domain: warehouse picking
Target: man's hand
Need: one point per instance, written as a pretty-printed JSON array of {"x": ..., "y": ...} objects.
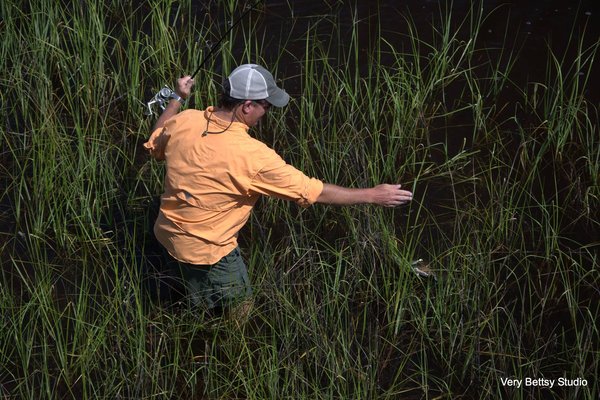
[
  {"x": 390, "y": 195},
  {"x": 184, "y": 86},
  {"x": 183, "y": 89}
]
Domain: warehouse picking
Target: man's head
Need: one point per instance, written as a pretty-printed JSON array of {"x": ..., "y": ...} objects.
[
  {"x": 253, "y": 82},
  {"x": 250, "y": 91}
]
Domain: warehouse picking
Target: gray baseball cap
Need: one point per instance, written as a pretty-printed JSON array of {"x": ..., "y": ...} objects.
[{"x": 253, "y": 82}]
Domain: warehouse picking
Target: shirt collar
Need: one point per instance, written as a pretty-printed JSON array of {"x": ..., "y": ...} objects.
[{"x": 217, "y": 123}]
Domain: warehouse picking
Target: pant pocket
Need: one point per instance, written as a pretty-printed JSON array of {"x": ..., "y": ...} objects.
[{"x": 229, "y": 280}]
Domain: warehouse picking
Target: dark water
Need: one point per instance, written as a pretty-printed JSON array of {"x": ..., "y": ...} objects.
[
  {"x": 527, "y": 29},
  {"x": 532, "y": 27}
]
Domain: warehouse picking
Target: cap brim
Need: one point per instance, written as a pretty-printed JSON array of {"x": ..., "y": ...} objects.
[{"x": 279, "y": 99}]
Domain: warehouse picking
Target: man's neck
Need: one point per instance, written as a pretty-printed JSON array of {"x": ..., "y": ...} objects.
[{"x": 225, "y": 114}]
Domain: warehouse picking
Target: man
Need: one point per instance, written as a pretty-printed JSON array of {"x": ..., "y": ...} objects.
[{"x": 215, "y": 173}]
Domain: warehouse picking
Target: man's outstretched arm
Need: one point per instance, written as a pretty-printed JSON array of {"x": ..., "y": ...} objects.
[{"x": 383, "y": 195}]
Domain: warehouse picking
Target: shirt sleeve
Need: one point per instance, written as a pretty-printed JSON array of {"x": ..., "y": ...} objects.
[
  {"x": 279, "y": 179},
  {"x": 157, "y": 142}
]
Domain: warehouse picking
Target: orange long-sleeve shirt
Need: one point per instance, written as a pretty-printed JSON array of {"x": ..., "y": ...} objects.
[{"x": 213, "y": 181}]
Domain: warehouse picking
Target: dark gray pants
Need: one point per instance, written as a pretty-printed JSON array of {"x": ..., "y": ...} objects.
[{"x": 219, "y": 286}]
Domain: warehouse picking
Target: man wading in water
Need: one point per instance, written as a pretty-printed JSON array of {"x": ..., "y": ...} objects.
[{"x": 215, "y": 173}]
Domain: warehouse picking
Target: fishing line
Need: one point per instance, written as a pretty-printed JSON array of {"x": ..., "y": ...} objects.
[{"x": 216, "y": 45}]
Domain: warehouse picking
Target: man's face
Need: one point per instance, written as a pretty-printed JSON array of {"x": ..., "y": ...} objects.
[{"x": 254, "y": 110}]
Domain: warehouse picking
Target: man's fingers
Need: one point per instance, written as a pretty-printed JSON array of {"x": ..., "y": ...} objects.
[
  {"x": 184, "y": 86},
  {"x": 402, "y": 197}
]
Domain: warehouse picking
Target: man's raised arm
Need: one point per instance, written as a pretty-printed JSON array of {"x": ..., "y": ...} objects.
[{"x": 184, "y": 88}]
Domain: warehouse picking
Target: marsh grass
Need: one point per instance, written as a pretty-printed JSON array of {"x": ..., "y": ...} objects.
[{"x": 505, "y": 209}]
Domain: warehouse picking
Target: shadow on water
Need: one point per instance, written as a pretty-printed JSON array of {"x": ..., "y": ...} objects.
[{"x": 158, "y": 271}]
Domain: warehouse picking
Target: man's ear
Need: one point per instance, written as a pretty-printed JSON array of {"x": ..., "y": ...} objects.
[{"x": 246, "y": 106}]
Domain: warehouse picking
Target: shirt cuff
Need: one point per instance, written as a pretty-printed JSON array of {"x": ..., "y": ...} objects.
[{"x": 311, "y": 193}]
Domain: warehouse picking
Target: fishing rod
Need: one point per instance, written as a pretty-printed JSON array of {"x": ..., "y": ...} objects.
[{"x": 166, "y": 93}]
